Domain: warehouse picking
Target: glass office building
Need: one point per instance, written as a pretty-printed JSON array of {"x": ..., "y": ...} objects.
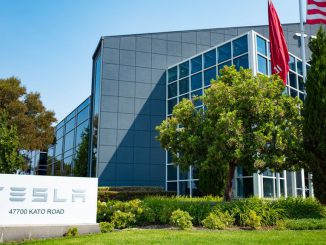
[
  {"x": 70, "y": 155},
  {"x": 190, "y": 77}
]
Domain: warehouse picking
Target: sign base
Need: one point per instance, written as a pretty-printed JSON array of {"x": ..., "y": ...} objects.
[{"x": 27, "y": 232}]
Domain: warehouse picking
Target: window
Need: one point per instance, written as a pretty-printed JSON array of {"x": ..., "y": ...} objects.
[
  {"x": 81, "y": 133},
  {"x": 70, "y": 125},
  {"x": 183, "y": 175},
  {"x": 292, "y": 63},
  {"x": 172, "y": 89},
  {"x": 83, "y": 115},
  {"x": 83, "y": 105},
  {"x": 261, "y": 45},
  {"x": 184, "y": 96},
  {"x": 196, "y": 81},
  {"x": 184, "y": 188},
  {"x": 221, "y": 66},
  {"x": 196, "y": 64},
  {"x": 241, "y": 62},
  {"x": 210, "y": 58},
  {"x": 172, "y": 172},
  {"x": 70, "y": 116},
  {"x": 224, "y": 52},
  {"x": 209, "y": 75},
  {"x": 58, "y": 148},
  {"x": 172, "y": 74},
  {"x": 69, "y": 140},
  {"x": 262, "y": 64},
  {"x": 293, "y": 93},
  {"x": 59, "y": 133},
  {"x": 184, "y": 69},
  {"x": 293, "y": 79},
  {"x": 245, "y": 187},
  {"x": 301, "y": 84},
  {"x": 171, "y": 104},
  {"x": 195, "y": 94},
  {"x": 240, "y": 46},
  {"x": 172, "y": 186},
  {"x": 299, "y": 67},
  {"x": 184, "y": 86}
]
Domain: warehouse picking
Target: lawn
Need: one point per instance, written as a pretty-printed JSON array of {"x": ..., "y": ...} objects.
[{"x": 194, "y": 237}]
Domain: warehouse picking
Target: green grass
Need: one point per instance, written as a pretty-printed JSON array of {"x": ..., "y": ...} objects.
[{"x": 170, "y": 237}]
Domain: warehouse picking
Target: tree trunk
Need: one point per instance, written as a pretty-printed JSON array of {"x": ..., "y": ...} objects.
[{"x": 228, "y": 186}]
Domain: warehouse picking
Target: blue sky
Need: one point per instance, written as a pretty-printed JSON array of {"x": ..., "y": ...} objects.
[{"x": 49, "y": 44}]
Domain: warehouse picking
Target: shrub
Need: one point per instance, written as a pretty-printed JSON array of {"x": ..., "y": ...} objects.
[
  {"x": 252, "y": 220},
  {"x": 305, "y": 224},
  {"x": 72, "y": 231},
  {"x": 123, "y": 219},
  {"x": 299, "y": 208},
  {"x": 106, "y": 227},
  {"x": 181, "y": 219},
  {"x": 218, "y": 220},
  {"x": 129, "y": 193}
]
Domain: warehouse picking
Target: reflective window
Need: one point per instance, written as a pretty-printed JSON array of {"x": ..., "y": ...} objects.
[
  {"x": 70, "y": 125},
  {"x": 59, "y": 133},
  {"x": 241, "y": 62},
  {"x": 184, "y": 85},
  {"x": 195, "y": 173},
  {"x": 67, "y": 166},
  {"x": 209, "y": 75},
  {"x": 69, "y": 140},
  {"x": 195, "y": 94},
  {"x": 60, "y": 124},
  {"x": 293, "y": 92},
  {"x": 221, "y": 66},
  {"x": 172, "y": 89},
  {"x": 83, "y": 105},
  {"x": 172, "y": 186},
  {"x": 172, "y": 172},
  {"x": 70, "y": 116},
  {"x": 183, "y": 175},
  {"x": 292, "y": 63},
  {"x": 169, "y": 157},
  {"x": 301, "y": 84},
  {"x": 240, "y": 46},
  {"x": 184, "y": 188},
  {"x": 83, "y": 115},
  {"x": 81, "y": 132},
  {"x": 299, "y": 67},
  {"x": 224, "y": 52},
  {"x": 293, "y": 79},
  {"x": 262, "y": 64},
  {"x": 196, "y": 81},
  {"x": 301, "y": 96},
  {"x": 210, "y": 58},
  {"x": 184, "y": 69},
  {"x": 268, "y": 186},
  {"x": 196, "y": 64},
  {"x": 58, "y": 148},
  {"x": 184, "y": 96},
  {"x": 171, "y": 104},
  {"x": 261, "y": 45},
  {"x": 245, "y": 187},
  {"x": 172, "y": 74}
]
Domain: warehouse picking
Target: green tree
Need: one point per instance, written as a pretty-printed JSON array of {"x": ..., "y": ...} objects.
[
  {"x": 10, "y": 159},
  {"x": 81, "y": 159},
  {"x": 315, "y": 115},
  {"x": 27, "y": 113},
  {"x": 247, "y": 122}
]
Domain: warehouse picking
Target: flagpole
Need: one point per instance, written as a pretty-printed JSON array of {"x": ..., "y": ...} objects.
[{"x": 303, "y": 51}]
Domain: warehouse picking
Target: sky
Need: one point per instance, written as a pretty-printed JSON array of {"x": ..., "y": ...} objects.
[{"x": 49, "y": 44}]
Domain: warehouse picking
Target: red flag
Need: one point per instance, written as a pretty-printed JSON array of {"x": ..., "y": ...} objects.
[
  {"x": 316, "y": 12},
  {"x": 279, "y": 51}
]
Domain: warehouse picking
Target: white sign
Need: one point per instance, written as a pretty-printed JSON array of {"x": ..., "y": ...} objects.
[{"x": 27, "y": 199}]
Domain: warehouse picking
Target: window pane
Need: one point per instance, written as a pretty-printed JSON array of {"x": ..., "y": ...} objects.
[
  {"x": 261, "y": 45},
  {"x": 172, "y": 186},
  {"x": 173, "y": 89},
  {"x": 224, "y": 52},
  {"x": 241, "y": 62},
  {"x": 301, "y": 84},
  {"x": 195, "y": 173},
  {"x": 70, "y": 116},
  {"x": 268, "y": 187},
  {"x": 299, "y": 67},
  {"x": 184, "y": 188},
  {"x": 292, "y": 63},
  {"x": 210, "y": 58},
  {"x": 240, "y": 46},
  {"x": 293, "y": 93},
  {"x": 185, "y": 96},
  {"x": 169, "y": 157},
  {"x": 221, "y": 66},
  {"x": 83, "y": 115},
  {"x": 245, "y": 187},
  {"x": 262, "y": 65},
  {"x": 67, "y": 166},
  {"x": 70, "y": 125},
  {"x": 69, "y": 140},
  {"x": 197, "y": 94},
  {"x": 171, "y": 104},
  {"x": 209, "y": 75},
  {"x": 184, "y": 85},
  {"x": 172, "y": 74},
  {"x": 59, "y": 133},
  {"x": 58, "y": 148},
  {"x": 196, "y": 81},
  {"x": 183, "y": 175},
  {"x": 301, "y": 96},
  {"x": 195, "y": 190},
  {"x": 184, "y": 69},
  {"x": 172, "y": 172},
  {"x": 196, "y": 64},
  {"x": 81, "y": 133},
  {"x": 293, "y": 80}
]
